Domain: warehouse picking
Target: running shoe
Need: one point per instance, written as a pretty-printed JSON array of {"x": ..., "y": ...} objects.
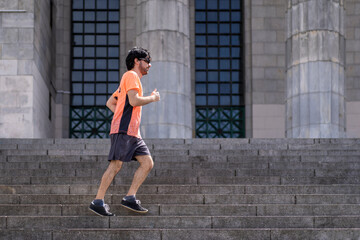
[
  {"x": 101, "y": 210},
  {"x": 134, "y": 206}
]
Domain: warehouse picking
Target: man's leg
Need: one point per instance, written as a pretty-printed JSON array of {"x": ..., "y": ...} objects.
[
  {"x": 113, "y": 168},
  {"x": 98, "y": 206},
  {"x": 130, "y": 202},
  {"x": 146, "y": 164}
]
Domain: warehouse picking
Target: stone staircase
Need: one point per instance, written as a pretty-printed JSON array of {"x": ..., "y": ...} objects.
[{"x": 198, "y": 189}]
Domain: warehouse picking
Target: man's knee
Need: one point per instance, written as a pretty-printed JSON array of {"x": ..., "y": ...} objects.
[
  {"x": 145, "y": 161},
  {"x": 115, "y": 165}
]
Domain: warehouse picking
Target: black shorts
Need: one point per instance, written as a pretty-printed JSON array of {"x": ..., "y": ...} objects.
[{"x": 125, "y": 147}]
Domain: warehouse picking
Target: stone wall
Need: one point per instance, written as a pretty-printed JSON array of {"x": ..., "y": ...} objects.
[
  {"x": 127, "y": 31},
  {"x": 26, "y": 58},
  {"x": 352, "y": 90},
  {"x": 16, "y": 61},
  {"x": 61, "y": 31},
  {"x": 265, "y": 68}
]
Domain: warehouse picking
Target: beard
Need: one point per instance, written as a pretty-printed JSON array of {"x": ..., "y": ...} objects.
[{"x": 144, "y": 70}]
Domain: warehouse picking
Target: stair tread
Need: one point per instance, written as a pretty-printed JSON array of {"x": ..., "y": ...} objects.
[{"x": 212, "y": 188}]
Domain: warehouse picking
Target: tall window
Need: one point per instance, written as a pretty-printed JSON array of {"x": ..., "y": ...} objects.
[
  {"x": 95, "y": 66},
  {"x": 219, "y": 76}
]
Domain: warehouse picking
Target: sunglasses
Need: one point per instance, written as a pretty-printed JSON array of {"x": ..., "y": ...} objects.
[{"x": 147, "y": 60}]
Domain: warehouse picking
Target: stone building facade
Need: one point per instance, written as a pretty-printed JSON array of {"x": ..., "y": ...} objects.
[{"x": 48, "y": 60}]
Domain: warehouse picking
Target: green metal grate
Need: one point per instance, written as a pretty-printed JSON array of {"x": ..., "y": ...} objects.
[
  {"x": 90, "y": 122},
  {"x": 222, "y": 122}
]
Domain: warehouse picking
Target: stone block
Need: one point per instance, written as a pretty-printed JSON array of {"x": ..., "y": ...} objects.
[
  {"x": 328, "y": 199},
  {"x": 184, "y": 147},
  {"x": 15, "y": 180},
  {"x": 57, "y": 152},
  {"x": 26, "y": 35},
  {"x": 207, "y": 210},
  {"x": 197, "y": 172},
  {"x": 25, "y": 67},
  {"x": 30, "y": 210},
  {"x": 166, "y": 199},
  {"x": 263, "y": 222},
  {"x": 249, "y": 199},
  {"x": 9, "y": 99},
  {"x": 164, "y": 180},
  {"x": 307, "y": 210},
  {"x": 160, "y": 222},
  {"x": 9, "y": 4},
  {"x": 25, "y": 234},
  {"x": 337, "y": 222},
  {"x": 159, "y": 141},
  {"x": 18, "y": 20},
  {"x": 319, "y": 180},
  {"x": 39, "y": 189},
  {"x": 240, "y": 180},
  {"x": 175, "y": 16},
  {"x": 265, "y": 61},
  {"x": 315, "y": 234},
  {"x": 22, "y": 51},
  {"x": 16, "y": 83},
  {"x": 10, "y": 198},
  {"x": 68, "y": 180},
  {"x": 57, "y": 222},
  {"x": 197, "y": 189},
  {"x": 8, "y": 67},
  {"x": 8, "y": 35},
  {"x": 27, "y": 5},
  {"x": 263, "y": 36},
  {"x": 228, "y": 234},
  {"x": 108, "y": 234}
]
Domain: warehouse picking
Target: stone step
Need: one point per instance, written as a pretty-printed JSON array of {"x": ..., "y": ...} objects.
[
  {"x": 184, "y": 234},
  {"x": 185, "y": 189},
  {"x": 177, "y": 222},
  {"x": 187, "y": 209},
  {"x": 199, "y": 160},
  {"x": 154, "y": 210},
  {"x": 186, "y": 198},
  {"x": 265, "y": 164},
  {"x": 242, "y": 180},
  {"x": 176, "y": 143},
  {"x": 189, "y": 151},
  {"x": 155, "y": 173},
  {"x": 290, "y": 141}
]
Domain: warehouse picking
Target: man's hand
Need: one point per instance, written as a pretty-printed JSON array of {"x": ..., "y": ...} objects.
[
  {"x": 156, "y": 95},
  {"x": 135, "y": 100}
]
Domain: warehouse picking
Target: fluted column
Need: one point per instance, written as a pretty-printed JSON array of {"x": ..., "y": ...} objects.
[
  {"x": 315, "y": 69},
  {"x": 162, "y": 26}
]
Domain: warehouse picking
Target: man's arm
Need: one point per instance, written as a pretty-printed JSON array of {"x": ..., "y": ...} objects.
[
  {"x": 111, "y": 103},
  {"x": 135, "y": 100}
]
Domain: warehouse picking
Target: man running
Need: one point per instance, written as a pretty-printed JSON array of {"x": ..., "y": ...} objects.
[{"x": 126, "y": 143}]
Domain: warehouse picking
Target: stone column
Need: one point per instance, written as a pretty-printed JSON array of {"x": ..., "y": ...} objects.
[
  {"x": 315, "y": 51},
  {"x": 162, "y": 27}
]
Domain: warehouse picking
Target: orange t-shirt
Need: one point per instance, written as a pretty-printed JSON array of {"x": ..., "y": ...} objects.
[{"x": 127, "y": 118}]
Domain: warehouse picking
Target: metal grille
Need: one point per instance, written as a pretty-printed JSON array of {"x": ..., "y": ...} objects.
[
  {"x": 218, "y": 62},
  {"x": 95, "y": 65},
  {"x": 220, "y": 122}
]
